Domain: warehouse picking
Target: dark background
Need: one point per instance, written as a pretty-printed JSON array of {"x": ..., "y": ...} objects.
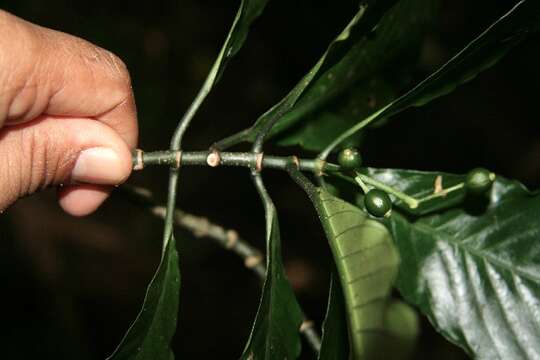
[{"x": 71, "y": 286}]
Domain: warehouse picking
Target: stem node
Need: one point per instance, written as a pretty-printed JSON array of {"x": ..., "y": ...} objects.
[
  {"x": 259, "y": 162},
  {"x": 231, "y": 239},
  {"x": 306, "y": 324},
  {"x": 251, "y": 261},
  {"x": 178, "y": 159},
  {"x": 138, "y": 162},
  {"x": 214, "y": 158},
  {"x": 295, "y": 161},
  {"x": 319, "y": 166}
]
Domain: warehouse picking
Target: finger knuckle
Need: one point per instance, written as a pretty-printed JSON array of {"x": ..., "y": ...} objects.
[
  {"x": 42, "y": 163},
  {"x": 9, "y": 172}
]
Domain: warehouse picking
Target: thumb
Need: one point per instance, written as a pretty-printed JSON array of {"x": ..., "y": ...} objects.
[{"x": 84, "y": 154}]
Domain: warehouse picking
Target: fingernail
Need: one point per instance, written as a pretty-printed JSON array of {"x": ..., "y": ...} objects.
[{"x": 98, "y": 166}]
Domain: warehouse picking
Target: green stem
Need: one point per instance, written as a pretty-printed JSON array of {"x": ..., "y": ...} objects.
[
  {"x": 409, "y": 200},
  {"x": 364, "y": 187},
  {"x": 171, "y": 205},
  {"x": 442, "y": 193},
  {"x": 239, "y": 159},
  {"x": 176, "y": 142},
  {"x": 269, "y": 211}
]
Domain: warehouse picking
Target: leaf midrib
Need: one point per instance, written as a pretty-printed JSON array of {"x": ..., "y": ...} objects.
[{"x": 475, "y": 252}]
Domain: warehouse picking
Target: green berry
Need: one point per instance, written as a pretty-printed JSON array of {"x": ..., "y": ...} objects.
[
  {"x": 479, "y": 181},
  {"x": 378, "y": 203},
  {"x": 350, "y": 159}
]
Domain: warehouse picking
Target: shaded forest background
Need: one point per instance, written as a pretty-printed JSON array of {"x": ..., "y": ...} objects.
[{"x": 72, "y": 286}]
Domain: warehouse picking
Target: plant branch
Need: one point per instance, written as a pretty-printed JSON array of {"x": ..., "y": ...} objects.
[
  {"x": 227, "y": 238},
  {"x": 216, "y": 158},
  {"x": 176, "y": 143}
]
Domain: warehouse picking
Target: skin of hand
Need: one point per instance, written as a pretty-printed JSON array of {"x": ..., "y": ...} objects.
[{"x": 67, "y": 117}]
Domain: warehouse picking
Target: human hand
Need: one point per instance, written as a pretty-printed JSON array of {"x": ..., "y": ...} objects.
[{"x": 67, "y": 117}]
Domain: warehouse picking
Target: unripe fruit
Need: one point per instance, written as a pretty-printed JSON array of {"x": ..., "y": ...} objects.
[
  {"x": 350, "y": 159},
  {"x": 479, "y": 181},
  {"x": 378, "y": 203}
]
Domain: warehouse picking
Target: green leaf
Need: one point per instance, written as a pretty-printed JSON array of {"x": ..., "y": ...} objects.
[
  {"x": 401, "y": 324},
  {"x": 275, "y": 333},
  {"x": 364, "y": 20},
  {"x": 482, "y": 53},
  {"x": 366, "y": 261},
  {"x": 334, "y": 342},
  {"x": 367, "y": 264},
  {"x": 479, "y": 55},
  {"x": 322, "y": 127},
  {"x": 318, "y": 132},
  {"x": 474, "y": 268},
  {"x": 248, "y": 12},
  {"x": 377, "y": 34},
  {"x": 149, "y": 336}
]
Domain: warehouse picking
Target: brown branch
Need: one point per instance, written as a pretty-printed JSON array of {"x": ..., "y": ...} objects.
[{"x": 226, "y": 238}]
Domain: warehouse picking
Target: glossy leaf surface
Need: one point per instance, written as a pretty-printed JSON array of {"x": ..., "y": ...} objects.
[
  {"x": 420, "y": 184},
  {"x": 473, "y": 267}
]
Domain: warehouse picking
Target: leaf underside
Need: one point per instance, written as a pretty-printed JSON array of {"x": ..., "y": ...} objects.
[
  {"x": 401, "y": 326},
  {"x": 367, "y": 264}
]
